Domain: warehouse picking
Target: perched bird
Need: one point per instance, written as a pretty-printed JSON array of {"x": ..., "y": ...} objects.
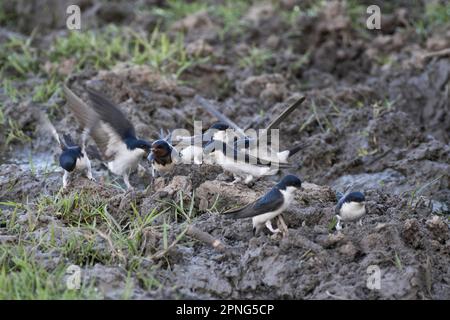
[
  {"x": 350, "y": 207},
  {"x": 73, "y": 157},
  {"x": 270, "y": 205},
  {"x": 241, "y": 164},
  {"x": 163, "y": 156},
  {"x": 112, "y": 132}
]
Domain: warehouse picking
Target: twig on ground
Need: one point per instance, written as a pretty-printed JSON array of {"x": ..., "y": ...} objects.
[{"x": 206, "y": 238}]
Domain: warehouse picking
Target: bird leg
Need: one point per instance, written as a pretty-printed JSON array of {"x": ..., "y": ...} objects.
[
  {"x": 256, "y": 230},
  {"x": 153, "y": 171},
  {"x": 236, "y": 180},
  {"x": 338, "y": 224},
  {"x": 141, "y": 170},
  {"x": 89, "y": 170},
  {"x": 66, "y": 178},
  {"x": 282, "y": 225},
  {"x": 126, "y": 179},
  {"x": 248, "y": 179},
  {"x": 269, "y": 226}
]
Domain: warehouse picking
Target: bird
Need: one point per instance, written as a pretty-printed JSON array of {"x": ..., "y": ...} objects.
[
  {"x": 268, "y": 153},
  {"x": 220, "y": 131},
  {"x": 269, "y": 206},
  {"x": 112, "y": 132},
  {"x": 350, "y": 207},
  {"x": 73, "y": 157},
  {"x": 163, "y": 156},
  {"x": 241, "y": 164},
  {"x": 190, "y": 148}
]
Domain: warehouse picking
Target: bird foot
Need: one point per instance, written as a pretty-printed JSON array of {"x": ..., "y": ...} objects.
[
  {"x": 248, "y": 180},
  {"x": 237, "y": 180},
  {"x": 282, "y": 225},
  {"x": 338, "y": 224},
  {"x": 271, "y": 229}
]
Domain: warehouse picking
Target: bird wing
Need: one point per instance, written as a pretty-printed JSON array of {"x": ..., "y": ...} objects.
[
  {"x": 112, "y": 115},
  {"x": 48, "y": 126},
  {"x": 271, "y": 201},
  {"x": 339, "y": 205},
  {"x": 69, "y": 141},
  {"x": 85, "y": 116},
  {"x": 106, "y": 138},
  {"x": 231, "y": 152}
]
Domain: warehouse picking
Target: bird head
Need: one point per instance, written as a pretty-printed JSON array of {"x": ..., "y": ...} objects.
[
  {"x": 68, "y": 161},
  {"x": 139, "y": 144},
  {"x": 355, "y": 197},
  {"x": 216, "y": 131},
  {"x": 290, "y": 181},
  {"x": 159, "y": 149},
  {"x": 144, "y": 145},
  {"x": 220, "y": 126}
]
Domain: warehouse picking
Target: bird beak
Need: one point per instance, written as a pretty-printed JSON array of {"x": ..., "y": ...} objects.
[{"x": 151, "y": 156}]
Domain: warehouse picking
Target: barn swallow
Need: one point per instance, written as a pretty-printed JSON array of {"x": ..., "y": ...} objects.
[
  {"x": 350, "y": 208},
  {"x": 163, "y": 156},
  {"x": 270, "y": 205},
  {"x": 73, "y": 157},
  {"x": 112, "y": 132},
  {"x": 241, "y": 164}
]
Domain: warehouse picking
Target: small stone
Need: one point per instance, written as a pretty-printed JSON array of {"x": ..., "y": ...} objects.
[{"x": 349, "y": 250}]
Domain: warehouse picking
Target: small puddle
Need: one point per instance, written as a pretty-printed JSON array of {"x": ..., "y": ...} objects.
[{"x": 38, "y": 162}]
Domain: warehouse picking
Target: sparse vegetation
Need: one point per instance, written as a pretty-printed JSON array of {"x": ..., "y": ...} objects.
[
  {"x": 256, "y": 58},
  {"x": 19, "y": 56},
  {"x": 15, "y": 133},
  {"x": 437, "y": 15},
  {"x": 363, "y": 100}
]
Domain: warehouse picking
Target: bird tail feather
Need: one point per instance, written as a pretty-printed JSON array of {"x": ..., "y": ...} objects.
[
  {"x": 297, "y": 148},
  {"x": 237, "y": 214}
]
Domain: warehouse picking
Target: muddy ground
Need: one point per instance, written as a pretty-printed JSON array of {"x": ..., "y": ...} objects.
[{"x": 376, "y": 119}]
